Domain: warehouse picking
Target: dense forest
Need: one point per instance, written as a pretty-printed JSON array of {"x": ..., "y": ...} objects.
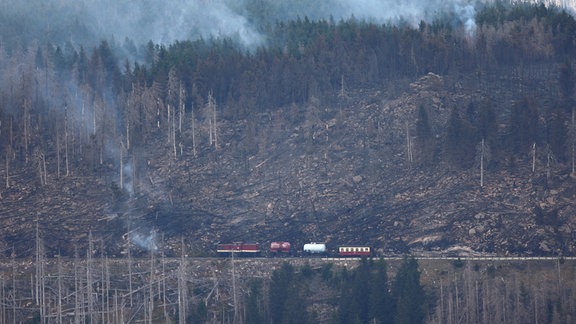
[{"x": 73, "y": 106}]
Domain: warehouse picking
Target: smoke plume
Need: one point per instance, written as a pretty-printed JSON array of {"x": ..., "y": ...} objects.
[{"x": 88, "y": 22}]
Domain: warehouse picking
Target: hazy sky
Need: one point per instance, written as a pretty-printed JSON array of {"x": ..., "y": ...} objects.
[{"x": 82, "y": 21}]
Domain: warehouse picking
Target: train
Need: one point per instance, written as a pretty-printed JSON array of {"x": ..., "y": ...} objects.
[{"x": 286, "y": 249}]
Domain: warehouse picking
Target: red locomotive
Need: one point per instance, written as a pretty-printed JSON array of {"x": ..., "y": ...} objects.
[{"x": 240, "y": 249}]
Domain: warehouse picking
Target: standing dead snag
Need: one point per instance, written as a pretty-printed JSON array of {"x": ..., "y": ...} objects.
[
  {"x": 533, "y": 157},
  {"x": 8, "y": 167},
  {"x": 182, "y": 286},
  {"x": 193, "y": 124},
  {"x": 210, "y": 115},
  {"x": 482, "y": 164},
  {"x": 483, "y": 157},
  {"x": 409, "y": 144},
  {"x": 66, "y": 140},
  {"x": 121, "y": 164},
  {"x": 40, "y": 274},
  {"x": 572, "y": 133}
]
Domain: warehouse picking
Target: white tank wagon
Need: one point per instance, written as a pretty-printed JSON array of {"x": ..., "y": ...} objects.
[{"x": 314, "y": 248}]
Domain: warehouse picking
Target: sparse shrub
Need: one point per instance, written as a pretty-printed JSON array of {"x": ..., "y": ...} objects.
[
  {"x": 458, "y": 263},
  {"x": 491, "y": 271},
  {"x": 307, "y": 271}
]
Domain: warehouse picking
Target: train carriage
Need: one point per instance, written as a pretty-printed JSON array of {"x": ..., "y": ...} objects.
[
  {"x": 314, "y": 249},
  {"x": 354, "y": 251},
  {"x": 280, "y": 248}
]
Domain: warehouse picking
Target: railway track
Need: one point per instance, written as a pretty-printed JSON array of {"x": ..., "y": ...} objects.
[
  {"x": 466, "y": 258},
  {"x": 168, "y": 260},
  {"x": 338, "y": 259}
]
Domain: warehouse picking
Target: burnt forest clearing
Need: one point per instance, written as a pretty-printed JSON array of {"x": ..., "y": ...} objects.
[{"x": 413, "y": 136}]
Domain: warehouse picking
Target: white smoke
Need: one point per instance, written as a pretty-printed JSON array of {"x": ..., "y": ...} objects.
[
  {"x": 146, "y": 241},
  {"x": 164, "y": 22},
  {"x": 467, "y": 14},
  {"x": 127, "y": 179},
  {"x": 412, "y": 11}
]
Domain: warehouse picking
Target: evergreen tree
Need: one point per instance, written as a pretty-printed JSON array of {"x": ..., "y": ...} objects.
[
  {"x": 253, "y": 311},
  {"x": 424, "y": 136},
  {"x": 523, "y": 125},
  {"x": 408, "y": 294},
  {"x": 279, "y": 288},
  {"x": 557, "y": 133},
  {"x": 486, "y": 122},
  {"x": 381, "y": 306},
  {"x": 566, "y": 81},
  {"x": 365, "y": 296},
  {"x": 460, "y": 142},
  {"x": 360, "y": 293}
]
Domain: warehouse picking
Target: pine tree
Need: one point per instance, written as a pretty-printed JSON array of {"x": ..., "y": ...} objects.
[
  {"x": 359, "y": 301},
  {"x": 523, "y": 125},
  {"x": 408, "y": 293},
  {"x": 253, "y": 311},
  {"x": 381, "y": 306},
  {"x": 424, "y": 136},
  {"x": 365, "y": 296},
  {"x": 459, "y": 144},
  {"x": 279, "y": 287}
]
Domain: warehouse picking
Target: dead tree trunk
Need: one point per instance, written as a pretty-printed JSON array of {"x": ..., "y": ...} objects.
[{"x": 182, "y": 286}]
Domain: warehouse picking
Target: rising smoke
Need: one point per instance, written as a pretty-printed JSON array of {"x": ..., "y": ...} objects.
[{"x": 88, "y": 22}]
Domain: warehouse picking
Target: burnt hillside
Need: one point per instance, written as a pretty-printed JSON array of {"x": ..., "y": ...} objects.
[
  {"x": 407, "y": 139},
  {"x": 344, "y": 177}
]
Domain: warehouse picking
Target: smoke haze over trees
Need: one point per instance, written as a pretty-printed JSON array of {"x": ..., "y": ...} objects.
[{"x": 247, "y": 21}]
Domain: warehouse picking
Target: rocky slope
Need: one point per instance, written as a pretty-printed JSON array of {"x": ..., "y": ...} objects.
[{"x": 335, "y": 171}]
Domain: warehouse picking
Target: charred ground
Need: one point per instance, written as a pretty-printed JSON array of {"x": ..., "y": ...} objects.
[{"x": 341, "y": 175}]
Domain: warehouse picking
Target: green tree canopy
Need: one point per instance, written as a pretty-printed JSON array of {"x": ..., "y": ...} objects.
[{"x": 409, "y": 294}]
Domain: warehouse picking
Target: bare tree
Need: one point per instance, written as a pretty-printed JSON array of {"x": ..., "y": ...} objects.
[
  {"x": 182, "y": 286},
  {"x": 181, "y": 106},
  {"x": 14, "y": 287},
  {"x": 90, "y": 279},
  {"x": 67, "y": 157},
  {"x": 533, "y": 157},
  {"x": 40, "y": 274},
  {"x": 193, "y": 122},
  {"x": 8, "y": 155},
  {"x": 409, "y": 145},
  {"x": 210, "y": 117},
  {"x": 152, "y": 277},
  {"x": 60, "y": 295},
  {"x": 122, "y": 148},
  {"x": 40, "y": 161},
  {"x": 172, "y": 134},
  {"x": 549, "y": 159},
  {"x": 483, "y": 157},
  {"x": 27, "y": 107},
  {"x": 572, "y": 133},
  {"x": 77, "y": 288},
  {"x": 129, "y": 255},
  {"x": 3, "y": 298}
]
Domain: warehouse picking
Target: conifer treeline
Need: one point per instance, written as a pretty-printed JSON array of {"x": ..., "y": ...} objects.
[
  {"x": 69, "y": 103},
  {"x": 364, "y": 294}
]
